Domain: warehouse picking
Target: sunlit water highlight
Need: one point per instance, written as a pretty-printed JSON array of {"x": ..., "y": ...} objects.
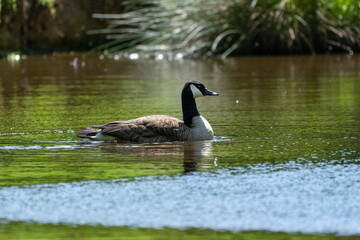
[{"x": 292, "y": 197}]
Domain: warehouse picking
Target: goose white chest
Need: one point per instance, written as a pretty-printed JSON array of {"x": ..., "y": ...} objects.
[{"x": 200, "y": 129}]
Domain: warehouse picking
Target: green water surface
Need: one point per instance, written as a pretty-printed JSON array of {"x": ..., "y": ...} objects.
[{"x": 270, "y": 110}]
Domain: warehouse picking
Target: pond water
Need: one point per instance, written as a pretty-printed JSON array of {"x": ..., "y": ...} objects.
[{"x": 285, "y": 157}]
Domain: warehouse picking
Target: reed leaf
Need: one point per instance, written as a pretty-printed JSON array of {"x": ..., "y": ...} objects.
[{"x": 221, "y": 37}]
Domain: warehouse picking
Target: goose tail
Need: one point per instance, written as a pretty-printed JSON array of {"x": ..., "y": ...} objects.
[{"x": 88, "y": 132}]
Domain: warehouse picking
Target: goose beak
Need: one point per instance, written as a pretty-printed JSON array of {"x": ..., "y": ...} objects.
[{"x": 210, "y": 93}]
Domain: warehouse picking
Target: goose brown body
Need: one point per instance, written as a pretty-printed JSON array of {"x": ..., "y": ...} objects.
[
  {"x": 159, "y": 128},
  {"x": 154, "y": 128}
]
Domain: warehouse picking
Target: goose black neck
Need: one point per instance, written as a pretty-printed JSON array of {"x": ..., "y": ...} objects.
[{"x": 189, "y": 109}]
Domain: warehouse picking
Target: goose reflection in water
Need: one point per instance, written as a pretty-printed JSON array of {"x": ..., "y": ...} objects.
[{"x": 194, "y": 152}]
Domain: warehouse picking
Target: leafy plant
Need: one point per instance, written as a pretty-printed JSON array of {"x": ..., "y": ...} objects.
[{"x": 236, "y": 27}]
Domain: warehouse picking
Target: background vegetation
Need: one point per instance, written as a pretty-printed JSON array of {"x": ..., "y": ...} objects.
[
  {"x": 190, "y": 27},
  {"x": 237, "y": 27},
  {"x": 42, "y": 26}
]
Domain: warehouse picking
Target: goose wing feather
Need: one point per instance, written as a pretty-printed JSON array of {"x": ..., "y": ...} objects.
[{"x": 154, "y": 128}]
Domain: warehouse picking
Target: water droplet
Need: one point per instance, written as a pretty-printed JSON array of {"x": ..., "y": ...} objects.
[
  {"x": 159, "y": 56},
  {"x": 179, "y": 56},
  {"x": 134, "y": 56}
]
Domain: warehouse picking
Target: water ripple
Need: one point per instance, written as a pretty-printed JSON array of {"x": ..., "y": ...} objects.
[{"x": 291, "y": 197}]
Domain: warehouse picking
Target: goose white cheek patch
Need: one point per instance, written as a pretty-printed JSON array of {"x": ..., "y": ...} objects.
[{"x": 196, "y": 92}]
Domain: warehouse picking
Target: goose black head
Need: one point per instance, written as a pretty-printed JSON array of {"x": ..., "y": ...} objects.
[
  {"x": 196, "y": 89},
  {"x": 192, "y": 90}
]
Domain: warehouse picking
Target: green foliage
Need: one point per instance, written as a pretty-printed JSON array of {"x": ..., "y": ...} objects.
[
  {"x": 13, "y": 3},
  {"x": 237, "y": 27},
  {"x": 22, "y": 22}
]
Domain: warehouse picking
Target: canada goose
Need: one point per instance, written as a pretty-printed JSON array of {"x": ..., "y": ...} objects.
[{"x": 160, "y": 128}]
